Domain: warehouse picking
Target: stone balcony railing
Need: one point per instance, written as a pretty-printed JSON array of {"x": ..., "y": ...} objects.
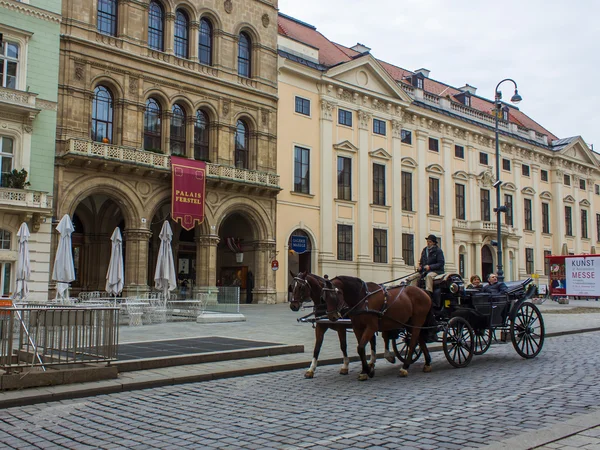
[
  {"x": 481, "y": 226},
  {"x": 160, "y": 161},
  {"x": 16, "y": 97},
  {"x": 24, "y": 199}
]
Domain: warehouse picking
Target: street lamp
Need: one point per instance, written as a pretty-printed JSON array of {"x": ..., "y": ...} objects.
[{"x": 516, "y": 98}]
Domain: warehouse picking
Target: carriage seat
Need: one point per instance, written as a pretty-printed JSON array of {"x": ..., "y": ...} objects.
[{"x": 515, "y": 288}]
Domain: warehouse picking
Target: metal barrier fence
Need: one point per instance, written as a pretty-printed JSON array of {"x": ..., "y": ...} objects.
[
  {"x": 47, "y": 336},
  {"x": 224, "y": 299}
]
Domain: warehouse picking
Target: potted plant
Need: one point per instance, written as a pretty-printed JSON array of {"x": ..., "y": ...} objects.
[{"x": 17, "y": 179}]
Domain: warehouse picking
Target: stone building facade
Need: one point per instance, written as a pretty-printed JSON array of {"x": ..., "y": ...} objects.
[
  {"x": 141, "y": 80},
  {"x": 373, "y": 158},
  {"x": 29, "y": 57}
]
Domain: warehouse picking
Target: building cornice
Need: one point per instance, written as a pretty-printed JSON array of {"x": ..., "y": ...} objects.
[{"x": 30, "y": 10}]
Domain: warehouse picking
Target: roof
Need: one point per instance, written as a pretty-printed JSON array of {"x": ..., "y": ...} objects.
[
  {"x": 559, "y": 144},
  {"x": 332, "y": 54}
]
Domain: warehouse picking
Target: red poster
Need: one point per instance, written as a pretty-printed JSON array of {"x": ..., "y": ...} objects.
[{"x": 187, "y": 197}]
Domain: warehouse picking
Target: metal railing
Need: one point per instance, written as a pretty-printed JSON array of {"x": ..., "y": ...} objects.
[{"x": 40, "y": 336}]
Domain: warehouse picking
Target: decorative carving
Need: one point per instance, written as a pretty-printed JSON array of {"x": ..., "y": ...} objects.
[
  {"x": 364, "y": 118},
  {"x": 36, "y": 221},
  {"x": 486, "y": 178},
  {"x": 228, "y": 5},
  {"x": 28, "y": 128},
  {"x": 79, "y": 71},
  {"x": 396, "y": 129},
  {"x": 225, "y": 108},
  {"x": 133, "y": 86},
  {"x": 265, "y": 20},
  {"x": 46, "y": 105},
  {"x": 327, "y": 110},
  {"x": 265, "y": 117}
]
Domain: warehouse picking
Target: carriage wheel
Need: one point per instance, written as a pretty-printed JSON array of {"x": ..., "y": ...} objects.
[
  {"x": 527, "y": 330},
  {"x": 458, "y": 342},
  {"x": 400, "y": 345},
  {"x": 483, "y": 340}
]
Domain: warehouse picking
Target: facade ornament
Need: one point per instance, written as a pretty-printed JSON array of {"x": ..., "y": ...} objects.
[
  {"x": 486, "y": 178},
  {"x": 364, "y": 118},
  {"x": 28, "y": 128},
  {"x": 133, "y": 86},
  {"x": 225, "y": 108},
  {"x": 228, "y": 5},
  {"x": 265, "y": 117},
  {"x": 265, "y": 20},
  {"x": 79, "y": 71},
  {"x": 396, "y": 129},
  {"x": 327, "y": 110}
]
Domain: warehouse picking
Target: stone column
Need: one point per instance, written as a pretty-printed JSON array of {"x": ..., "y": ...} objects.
[
  {"x": 536, "y": 214},
  {"x": 396, "y": 200},
  {"x": 422, "y": 193},
  {"x": 206, "y": 261},
  {"x": 136, "y": 260},
  {"x": 449, "y": 247},
  {"x": 264, "y": 278},
  {"x": 169, "y": 33},
  {"x": 189, "y": 135},
  {"x": 166, "y": 131},
  {"x": 194, "y": 30},
  {"x": 477, "y": 260},
  {"x": 558, "y": 212},
  {"x": 578, "y": 248},
  {"x": 363, "y": 233},
  {"x": 328, "y": 175}
]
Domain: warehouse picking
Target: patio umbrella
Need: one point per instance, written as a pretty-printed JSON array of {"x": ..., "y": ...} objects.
[
  {"x": 115, "y": 274},
  {"x": 164, "y": 277},
  {"x": 23, "y": 263},
  {"x": 64, "y": 270}
]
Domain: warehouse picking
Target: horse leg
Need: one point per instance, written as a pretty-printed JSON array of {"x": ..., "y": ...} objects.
[
  {"x": 414, "y": 338},
  {"x": 426, "y": 355},
  {"x": 373, "y": 359},
  {"x": 387, "y": 354},
  {"x": 343, "y": 346},
  {"x": 320, "y": 330},
  {"x": 364, "y": 336}
]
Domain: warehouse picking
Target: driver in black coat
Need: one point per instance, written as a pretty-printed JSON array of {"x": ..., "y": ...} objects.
[{"x": 431, "y": 263}]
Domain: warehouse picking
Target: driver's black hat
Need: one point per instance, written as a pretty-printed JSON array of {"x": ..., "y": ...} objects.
[{"x": 431, "y": 238}]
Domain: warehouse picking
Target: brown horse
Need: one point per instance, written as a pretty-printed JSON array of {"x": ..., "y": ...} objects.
[
  {"x": 373, "y": 308},
  {"x": 308, "y": 287}
]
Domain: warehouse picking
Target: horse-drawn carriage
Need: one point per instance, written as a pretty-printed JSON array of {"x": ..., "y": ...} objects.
[{"x": 469, "y": 319}]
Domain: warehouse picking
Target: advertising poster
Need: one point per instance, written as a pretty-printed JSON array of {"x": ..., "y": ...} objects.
[{"x": 582, "y": 275}]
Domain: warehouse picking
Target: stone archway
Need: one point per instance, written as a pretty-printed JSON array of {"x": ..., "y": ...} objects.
[{"x": 487, "y": 262}]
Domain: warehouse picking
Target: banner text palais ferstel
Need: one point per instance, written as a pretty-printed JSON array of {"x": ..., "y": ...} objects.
[{"x": 187, "y": 196}]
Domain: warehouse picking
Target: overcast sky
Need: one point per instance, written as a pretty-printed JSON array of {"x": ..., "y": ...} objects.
[{"x": 550, "y": 48}]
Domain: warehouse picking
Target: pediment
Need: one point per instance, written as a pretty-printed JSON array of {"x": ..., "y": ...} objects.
[
  {"x": 368, "y": 74},
  {"x": 569, "y": 199},
  {"x": 585, "y": 203},
  {"x": 546, "y": 195},
  {"x": 578, "y": 150},
  {"x": 435, "y": 168},
  {"x": 461, "y": 175},
  {"x": 380, "y": 154},
  {"x": 528, "y": 191},
  {"x": 346, "y": 146},
  {"x": 408, "y": 162},
  {"x": 509, "y": 187}
]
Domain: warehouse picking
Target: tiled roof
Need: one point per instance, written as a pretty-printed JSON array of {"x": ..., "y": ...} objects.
[{"x": 331, "y": 54}]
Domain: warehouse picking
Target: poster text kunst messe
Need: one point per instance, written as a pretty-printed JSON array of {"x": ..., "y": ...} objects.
[{"x": 187, "y": 195}]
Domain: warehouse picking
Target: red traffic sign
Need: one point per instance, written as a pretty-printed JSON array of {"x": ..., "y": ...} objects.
[{"x": 274, "y": 265}]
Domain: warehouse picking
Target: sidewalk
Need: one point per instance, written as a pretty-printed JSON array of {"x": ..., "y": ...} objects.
[{"x": 269, "y": 323}]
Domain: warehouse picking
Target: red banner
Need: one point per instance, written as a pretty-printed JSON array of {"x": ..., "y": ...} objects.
[{"x": 187, "y": 197}]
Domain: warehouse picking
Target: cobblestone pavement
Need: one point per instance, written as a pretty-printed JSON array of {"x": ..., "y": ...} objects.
[{"x": 498, "y": 396}]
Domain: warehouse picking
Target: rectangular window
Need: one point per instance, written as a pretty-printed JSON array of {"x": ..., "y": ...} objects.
[
  {"x": 379, "y": 127},
  {"x": 459, "y": 151},
  {"x": 582, "y": 184},
  {"x": 302, "y": 106},
  {"x": 483, "y": 158},
  {"x": 407, "y": 193},
  {"x": 5, "y": 285},
  {"x": 6, "y": 159},
  {"x": 9, "y": 62},
  {"x": 302, "y": 170},
  {"x": 380, "y": 246},
  {"x": 378, "y": 184},
  {"x": 506, "y": 164},
  {"x": 525, "y": 170},
  {"x": 461, "y": 212},
  {"x": 547, "y": 262},
  {"x": 434, "y": 196},
  {"x": 567, "y": 180},
  {"x": 529, "y": 268},
  {"x": 408, "y": 249},
  {"x": 107, "y": 17},
  {"x": 344, "y": 246},
  {"x": 434, "y": 145},
  {"x": 545, "y": 217},
  {"x": 344, "y": 178},
  {"x": 584, "y": 224},
  {"x": 486, "y": 214},
  {"x": 544, "y": 175},
  {"x": 568, "y": 221},
  {"x": 597, "y": 227},
  {"x": 508, "y": 216},
  {"x": 406, "y": 137},
  {"x": 597, "y": 189},
  {"x": 345, "y": 117},
  {"x": 528, "y": 217}
]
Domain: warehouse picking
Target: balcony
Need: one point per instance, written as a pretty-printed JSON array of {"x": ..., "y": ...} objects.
[
  {"x": 481, "y": 226},
  {"x": 136, "y": 161},
  {"x": 18, "y": 102}
]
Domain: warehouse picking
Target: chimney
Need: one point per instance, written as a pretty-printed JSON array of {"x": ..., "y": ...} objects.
[
  {"x": 360, "y": 48},
  {"x": 468, "y": 88},
  {"x": 424, "y": 72}
]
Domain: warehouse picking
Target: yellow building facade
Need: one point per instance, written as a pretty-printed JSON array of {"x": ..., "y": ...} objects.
[{"x": 373, "y": 158}]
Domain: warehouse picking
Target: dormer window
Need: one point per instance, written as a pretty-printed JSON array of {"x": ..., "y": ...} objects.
[
  {"x": 464, "y": 98},
  {"x": 417, "y": 80},
  {"x": 467, "y": 100},
  {"x": 505, "y": 114}
]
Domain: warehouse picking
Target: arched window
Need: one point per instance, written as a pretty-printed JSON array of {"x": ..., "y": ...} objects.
[
  {"x": 201, "y": 136},
  {"x": 152, "y": 126},
  {"x": 102, "y": 115},
  {"x": 6, "y": 160},
  {"x": 181, "y": 34},
  {"x": 205, "y": 42},
  {"x": 177, "y": 130},
  {"x": 244, "y": 55},
  {"x": 107, "y": 17},
  {"x": 241, "y": 145},
  {"x": 156, "y": 26}
]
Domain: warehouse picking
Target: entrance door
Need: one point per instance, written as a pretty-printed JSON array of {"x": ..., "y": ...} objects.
[
  {"x": 300, "y": 255},
  {"x": 487, "y": 262}
]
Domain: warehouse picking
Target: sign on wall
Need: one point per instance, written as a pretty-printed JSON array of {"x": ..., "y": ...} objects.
[
  {"x": 582, "y": 276},
  {"x": 299, "y": 244},
  {"x": 187, "y": 195}
]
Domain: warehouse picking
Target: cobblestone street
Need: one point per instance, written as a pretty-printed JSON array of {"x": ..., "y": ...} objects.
[{"x": 498, "y": 396}]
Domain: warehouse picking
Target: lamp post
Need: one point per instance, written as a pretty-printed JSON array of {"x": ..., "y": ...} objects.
[{"x": 516, "y": 98}]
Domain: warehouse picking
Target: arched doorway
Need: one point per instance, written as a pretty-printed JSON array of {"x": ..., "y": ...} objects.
[
  {"x": 487, "y": 262},
  {"x": 299, "y": 253}
]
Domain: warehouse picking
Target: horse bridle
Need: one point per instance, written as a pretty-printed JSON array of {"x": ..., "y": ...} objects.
[{"x": 304, "y": 284}]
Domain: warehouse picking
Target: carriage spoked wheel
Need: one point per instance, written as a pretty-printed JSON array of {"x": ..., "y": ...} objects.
[
  {"x": 400, "y": 345},
  {"x": 458, "y": 342},
  {"x": 483, "y": 340},
  {"x": 527, "y": 330}
]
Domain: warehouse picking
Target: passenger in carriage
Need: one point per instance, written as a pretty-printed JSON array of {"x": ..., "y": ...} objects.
[
  {"x": 493, "y": 286},
  {"x": 475, "y": 283}
]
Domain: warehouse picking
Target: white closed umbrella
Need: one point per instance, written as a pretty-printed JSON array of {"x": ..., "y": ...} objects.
[
  {"x": 164, "y": 277},
  {"x": 23, "y": 263},
  {"x": 115, "y": 275},
  {"x": 64, "y": 269}
]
